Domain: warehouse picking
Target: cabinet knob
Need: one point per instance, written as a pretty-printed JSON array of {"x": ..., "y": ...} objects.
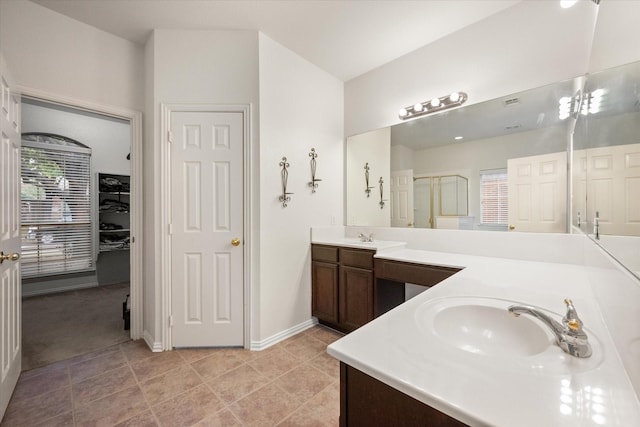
[{"x": 235, "y": 241}]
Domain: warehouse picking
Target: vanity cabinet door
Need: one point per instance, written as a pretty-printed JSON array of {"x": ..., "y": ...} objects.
[
  {"x": 324, "y": 291},
  {"x": 356, "y": 297}
]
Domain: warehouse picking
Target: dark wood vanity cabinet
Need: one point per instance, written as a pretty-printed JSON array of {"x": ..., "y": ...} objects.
[
  {"x": 342, "y": 286},
  {"x": 365, "y": 401},
  {"x": 350, "y": 289}
]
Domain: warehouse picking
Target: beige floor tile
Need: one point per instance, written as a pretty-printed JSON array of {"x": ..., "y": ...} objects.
[
  {"x": 275, "y": 363},
  {"x": 304, "y": 382},
  {"x": 305, "y": 346},
  {"x": 264, "y": 407},
  {"x": 136, "y": 350},
  {"x": 170, "y": 384},
  {"x": 47, "y": 381},
  {"x": 327, "y": 364},
  {"x": 145, "y": 419},
  {"x": 96, "y": 366},
  {"x": 112, "y": 409},
  {"x": 159, "y": 364},
  {"x": 324, "y": 334},
  {"x": 102, "y": 385},
  {"x": 223, "y": 418},
  {"x": 218, "y": 363},
  {"x": 191, "y": 355},
  {"x": 58, "y": 366},
  {"x": 188, "y": 408},
  {"x": 323, "y": 410},
  {"x": 237, "y": 383},
  {"x": 64, "y": 420},
  {"x": 28, "y": 412}
]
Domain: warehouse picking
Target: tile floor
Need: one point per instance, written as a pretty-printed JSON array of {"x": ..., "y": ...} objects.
[{"x": 293, "y": 383}]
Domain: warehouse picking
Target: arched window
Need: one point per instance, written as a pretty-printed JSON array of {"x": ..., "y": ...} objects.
[{"x": 55, "y": 206}]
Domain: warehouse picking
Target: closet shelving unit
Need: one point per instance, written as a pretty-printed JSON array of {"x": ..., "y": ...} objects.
[{"x": 113, "y": 212}]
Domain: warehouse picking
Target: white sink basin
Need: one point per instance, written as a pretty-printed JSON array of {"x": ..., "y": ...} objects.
[
  {"x": 483, "y": 330},
  {"x": 490, "y": 330}
]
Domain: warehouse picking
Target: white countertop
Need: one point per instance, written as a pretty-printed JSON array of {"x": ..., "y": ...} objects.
[{"x": 484, "y": 390}]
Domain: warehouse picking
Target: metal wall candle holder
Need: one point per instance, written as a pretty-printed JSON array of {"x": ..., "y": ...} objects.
[
  {"x": 284, "y": 174},
  {"x": 314, "y": 181},
  {"x": 367, "y": 188},
  {"x": 380, "y": 181}
]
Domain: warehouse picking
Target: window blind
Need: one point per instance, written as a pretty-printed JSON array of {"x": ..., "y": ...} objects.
[
  {"x": 494, "y": 197},
  {"x": 56, "y": 229}
]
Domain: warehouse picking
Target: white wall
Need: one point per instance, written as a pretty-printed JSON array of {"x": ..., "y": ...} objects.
[
  {"x": 300, "y": 109},
  {"x": 189, "y": 67},
  {"x": 531, "y": 44},
  {"x": 372, "y": 148},
  {"x": 58, "y": 55},
  {"x": 616, "y": 36}
]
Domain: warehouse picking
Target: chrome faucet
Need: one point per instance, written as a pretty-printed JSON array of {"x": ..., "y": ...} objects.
[
  {"x": 570, "y": 336},
  {"x": 364, "y": 238}
]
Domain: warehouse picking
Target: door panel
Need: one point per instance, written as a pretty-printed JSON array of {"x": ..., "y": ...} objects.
[
  {"x": 207, "y": 214},
  {"x": 401, "y": 190},
  {"x": 10, "y": 284},
  {"x": 537, "y": 193}
]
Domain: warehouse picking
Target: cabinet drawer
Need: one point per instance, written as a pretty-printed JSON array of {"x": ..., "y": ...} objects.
[
  {"x": 360, "y": 258},
  {"x": 324, "y": 253}
]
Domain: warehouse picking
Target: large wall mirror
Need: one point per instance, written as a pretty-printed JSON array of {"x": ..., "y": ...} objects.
[
  {"x": 521, "y": 143},
  {"x": 497, "y": 165},
  {"x": 606, "y": 158}
]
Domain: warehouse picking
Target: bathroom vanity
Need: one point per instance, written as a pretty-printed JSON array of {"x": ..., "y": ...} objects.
[
  {"x": 453, "y": 355},
  {"x": 349, "y": 288}
]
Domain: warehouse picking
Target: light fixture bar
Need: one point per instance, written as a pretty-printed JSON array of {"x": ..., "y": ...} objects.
[{"x": 436, "y": 104}]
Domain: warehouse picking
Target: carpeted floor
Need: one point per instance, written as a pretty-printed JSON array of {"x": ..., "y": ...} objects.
[{"x": 60, "y": 326}]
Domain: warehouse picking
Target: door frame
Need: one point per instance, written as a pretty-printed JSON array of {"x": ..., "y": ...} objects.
[
  {"x": 136, "y": 215},
  {"x": 165, "y": 211}
]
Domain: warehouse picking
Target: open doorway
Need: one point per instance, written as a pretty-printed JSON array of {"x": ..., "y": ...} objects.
[{"x": 74, "y": 307}]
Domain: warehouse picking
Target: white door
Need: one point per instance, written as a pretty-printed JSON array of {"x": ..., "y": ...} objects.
[
  {"x": 537, "y": 193},
  {"x": 10, "y": 289},
  {"x": 401, "y": 190},
  {"x": 613, "y": 182},
  {"x": 207, "y": 296}
]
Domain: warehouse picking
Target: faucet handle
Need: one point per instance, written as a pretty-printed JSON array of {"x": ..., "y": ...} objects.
[{"x": 571, "y": 319}]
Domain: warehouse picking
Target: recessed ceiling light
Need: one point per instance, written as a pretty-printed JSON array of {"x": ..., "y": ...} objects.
[{"x": 457, "y": 138}]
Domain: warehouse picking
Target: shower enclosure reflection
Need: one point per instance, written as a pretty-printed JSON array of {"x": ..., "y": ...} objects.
[{"x": 441, "y": 202}]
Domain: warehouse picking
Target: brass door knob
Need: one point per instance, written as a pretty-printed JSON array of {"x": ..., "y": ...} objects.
[
  {"x": 235, "y": 241},
  {"x": 9, "y": 257},
  {"x": 512, "y": 227}
]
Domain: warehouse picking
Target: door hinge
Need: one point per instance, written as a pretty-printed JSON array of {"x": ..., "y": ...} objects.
[
  {"x": 133, "y": 239},
  {"x": 170, "y": 229},
  {"x": 169, "y": 136},
  {"x": 171, "y": 321}
]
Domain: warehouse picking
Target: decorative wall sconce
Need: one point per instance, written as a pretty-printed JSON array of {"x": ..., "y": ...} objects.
[
  {"x": 284, "y": 174},
  {"x": 367, "y": 188},
  {"x": 436, "y": 104},
  {"x": 382, "y": 200},
  {"x": 314, "y": 181}
]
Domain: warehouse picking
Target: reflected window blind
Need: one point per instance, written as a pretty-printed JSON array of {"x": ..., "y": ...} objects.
[
  {"x": 494, "y": 197},
  {"x": 55, "y": 206}
]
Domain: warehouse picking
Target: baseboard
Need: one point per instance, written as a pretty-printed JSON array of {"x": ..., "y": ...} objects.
[
  {"x": 154, "y": 346},
  {"x": 281, "y": 336},
  {"x": 27, "y": 292}
]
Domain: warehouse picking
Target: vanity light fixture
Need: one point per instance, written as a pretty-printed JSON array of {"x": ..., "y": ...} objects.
[
  {"x": 434, "y": 105},
  {"x": 588, "y": 103}
]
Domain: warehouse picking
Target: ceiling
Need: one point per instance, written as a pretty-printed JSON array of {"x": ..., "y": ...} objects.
[{"x": 346, "y": 38}]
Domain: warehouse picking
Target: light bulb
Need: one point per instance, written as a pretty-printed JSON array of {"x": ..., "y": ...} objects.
[
  {"x": 418, "y": 107},
  {"x": 564, "y": 100},
  {"x": 566, "y": 4},
  {"x": 403, "y": 112},
  {"x": 454, "y": 97},
  {"x": 435, "y": 102}
]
